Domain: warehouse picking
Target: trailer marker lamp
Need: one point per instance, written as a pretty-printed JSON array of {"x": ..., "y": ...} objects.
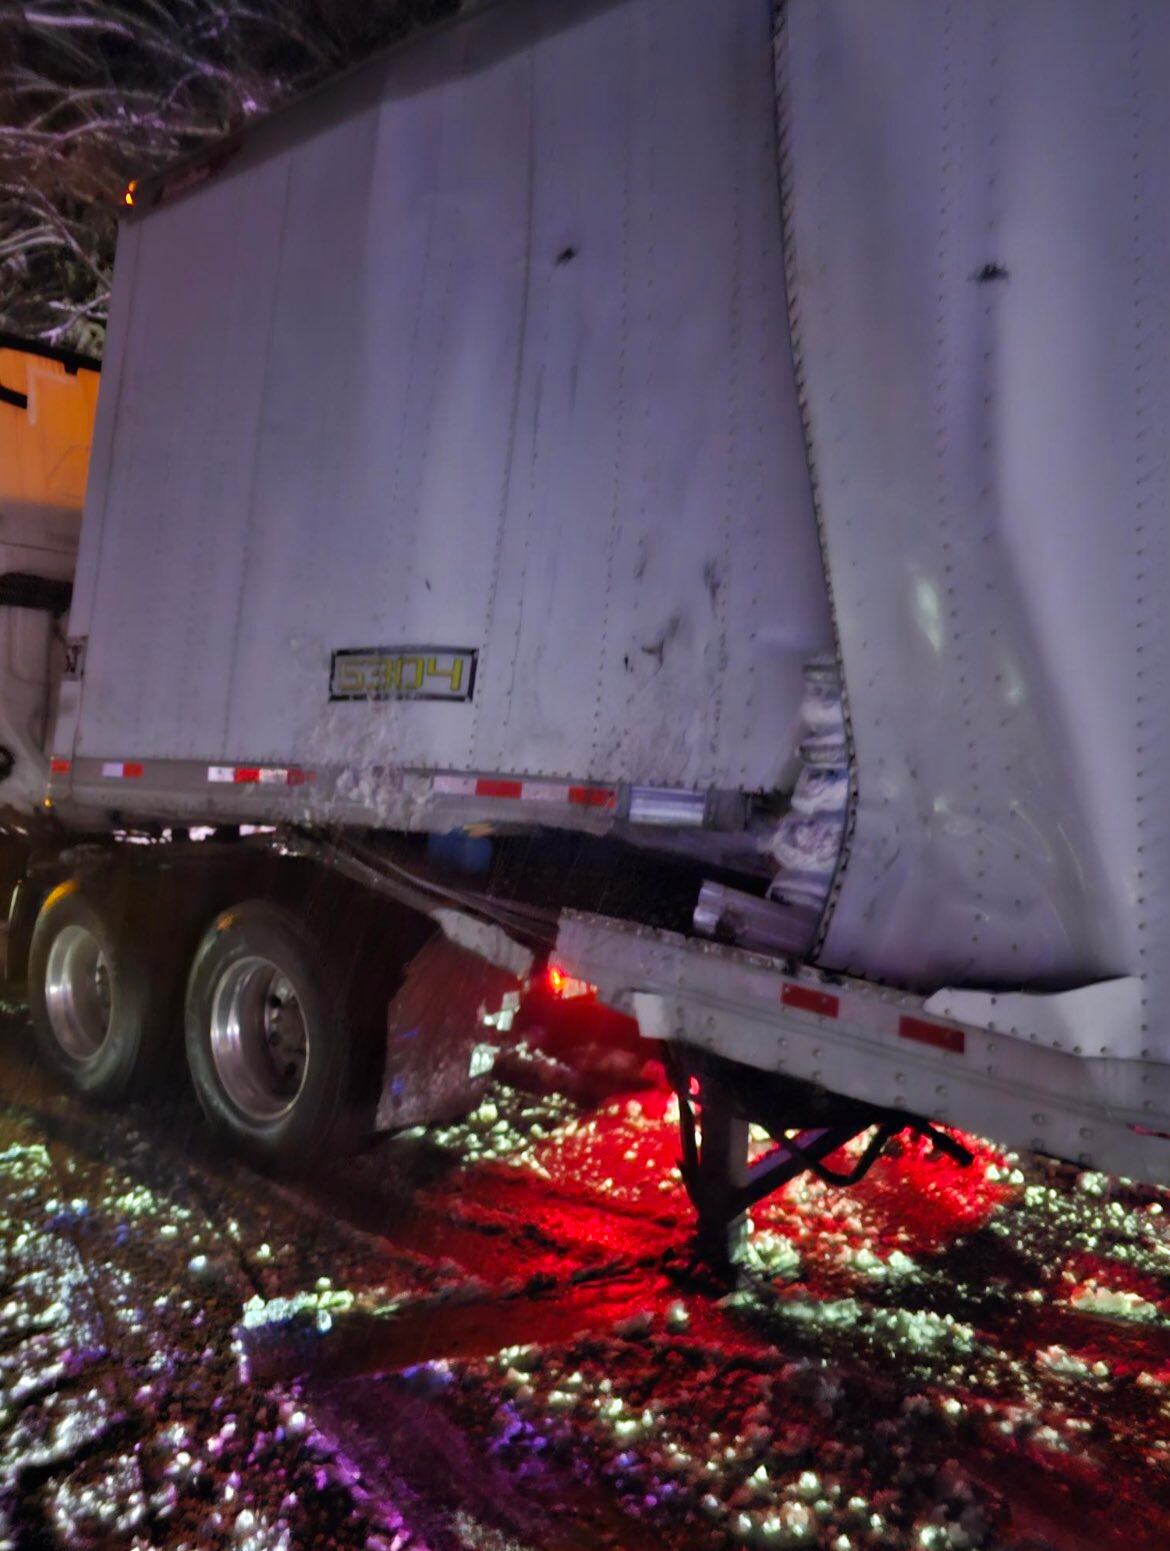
[
  {"x": 131, "y": 191},
  {"x": 567, "y": 986}
]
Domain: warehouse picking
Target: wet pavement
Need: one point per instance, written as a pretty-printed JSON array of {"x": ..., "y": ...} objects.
[{"x": 489, "y": 1335}]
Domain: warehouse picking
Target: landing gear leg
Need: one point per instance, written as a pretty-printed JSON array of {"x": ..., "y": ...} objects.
[
  {"x": 722, "y": 1176},
  {"x": 714, "y": 1164}
]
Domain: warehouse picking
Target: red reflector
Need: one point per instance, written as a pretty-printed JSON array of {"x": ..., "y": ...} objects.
[
  {"x": 592, "y": 796},
  {"x": 807, "y": 1000},
  {"x": 131, "y": 772},
  {"x": 486, "y": 787},
  {"x": 936, "y": 1034},
  {"x": 60, "y": 766},
  {"x": 245, "y": 773}
]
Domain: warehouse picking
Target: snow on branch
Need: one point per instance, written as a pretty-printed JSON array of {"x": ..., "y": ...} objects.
[{"x": 94, "y": 93}]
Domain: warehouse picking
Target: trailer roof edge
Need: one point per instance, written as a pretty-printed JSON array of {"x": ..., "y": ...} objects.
[{"x": 182, "y": 172}]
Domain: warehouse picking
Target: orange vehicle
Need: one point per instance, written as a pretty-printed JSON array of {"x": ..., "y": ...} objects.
[{"x": 48, "y": 399}]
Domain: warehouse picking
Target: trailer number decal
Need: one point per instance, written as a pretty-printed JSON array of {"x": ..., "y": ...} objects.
[{"x": 403, "y": 673}]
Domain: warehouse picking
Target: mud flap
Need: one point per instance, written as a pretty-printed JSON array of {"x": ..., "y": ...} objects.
[{"x": 438, "y": 1056}]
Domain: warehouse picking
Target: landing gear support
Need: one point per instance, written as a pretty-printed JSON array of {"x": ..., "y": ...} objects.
[
  {"x": 807, "y": 1126},
  {"x": 716, "y": 1173}
]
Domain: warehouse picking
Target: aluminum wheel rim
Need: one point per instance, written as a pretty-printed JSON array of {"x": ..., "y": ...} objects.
[
  {"x": 78, "y": 993},
  {"x": 259, "y": 1039}
]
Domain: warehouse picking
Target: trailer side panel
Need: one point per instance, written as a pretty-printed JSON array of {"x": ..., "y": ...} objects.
[{"x": 483, "y": 350}]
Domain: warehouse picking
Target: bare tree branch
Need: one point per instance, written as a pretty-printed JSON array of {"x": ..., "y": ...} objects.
[{"x": 93, "y": 94}]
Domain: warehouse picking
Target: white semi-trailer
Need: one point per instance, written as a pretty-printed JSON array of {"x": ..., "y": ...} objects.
[{"x": 712, "y": 449}]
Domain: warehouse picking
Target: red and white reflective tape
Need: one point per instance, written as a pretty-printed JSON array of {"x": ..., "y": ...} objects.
[
  {"x": 121, "y": 770},
  {"x": 519, "y": 789},
  {"x": 258, "y": 775},
  {"x": 828, "y": 1004}
]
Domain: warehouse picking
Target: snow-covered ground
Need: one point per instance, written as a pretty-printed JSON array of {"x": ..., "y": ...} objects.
[{"x": 489, "y": 1335}]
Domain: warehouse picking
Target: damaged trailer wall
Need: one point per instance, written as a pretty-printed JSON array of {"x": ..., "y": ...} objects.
[{"x": 978, "y": 212}]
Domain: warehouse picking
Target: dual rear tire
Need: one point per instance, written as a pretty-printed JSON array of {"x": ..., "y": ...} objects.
[
  {"x": 264, "y": 1018},
  {"x": 268, "y": 1040},
  {"x": 97, "y": 1004}
]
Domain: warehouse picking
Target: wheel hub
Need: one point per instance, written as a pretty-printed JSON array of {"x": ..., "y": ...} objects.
[
  {"x": 78, "y": 993},
  {"x": 259, "y": 1040}
]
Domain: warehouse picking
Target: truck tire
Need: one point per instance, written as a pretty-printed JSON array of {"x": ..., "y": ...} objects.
[
  {"x": 268, "y": 1040},
  {"x": 99, "y": 1012}
]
